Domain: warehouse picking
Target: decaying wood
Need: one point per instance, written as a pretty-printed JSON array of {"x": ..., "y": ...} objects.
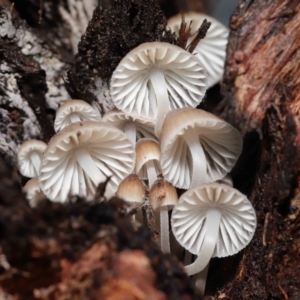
[{"x": 261, "y": 87}]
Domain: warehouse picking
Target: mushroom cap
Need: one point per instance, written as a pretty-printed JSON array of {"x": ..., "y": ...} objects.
[
  {"x": 146, "y": 150},
  {"x": 163, "y": 193},
  {"x": 221, "y": 142},
  {"x": 211, "y": 51},
  {"x": 28, "y": 152},
  {"x": 131, "y": 88},
  {"x": 80, "y": 108},
  {"x": 61, "y": 174},
  {"x": 132, "y": 189},
  {"x": 33, "y": 191},
  {"x": 237, "y": 224},
  {"x": 117, "y": 118}
]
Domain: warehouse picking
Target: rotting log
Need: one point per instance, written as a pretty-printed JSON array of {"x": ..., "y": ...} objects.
[{"x": 262, "y": 99}]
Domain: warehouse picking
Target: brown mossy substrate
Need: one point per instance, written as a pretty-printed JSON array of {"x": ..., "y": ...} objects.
[{"x": 80, "y": 250}]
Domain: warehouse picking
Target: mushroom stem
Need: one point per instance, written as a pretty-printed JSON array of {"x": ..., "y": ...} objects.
[
  {"x": 198, "y": 158},
  {"x": 164, "y": 230},
  {"x": 213, "y": 218},
  {"x": 151, "y": 173},
  {"x": 130, "y": 131},
  {"x": 74, "y": 118},
  {"x": 36, "y": 161},
  {"x": 88, "y": 165},
  {"x": 200, "y": 280},
  {"x": 158, "y": 81}
]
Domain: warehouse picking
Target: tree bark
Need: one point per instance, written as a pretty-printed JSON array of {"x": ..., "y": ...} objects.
[{"x": 262, "y": 99}]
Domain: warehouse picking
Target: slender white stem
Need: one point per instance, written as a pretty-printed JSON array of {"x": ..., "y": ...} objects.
[
  {"x": 164, "y": 230},
  {"x": 213, "y": 218},
  {"x": 36, "y": 161},
  {"x": 158, "y": 81},
  {"x": 200, "y": 280},
  {"x": 88, "y": 165},
  {"x": 74, "y": 118},
  {"x": 130, "y": 131},
  {"x": 198, "y": 158},
  {"x": 151, "y": 172}
]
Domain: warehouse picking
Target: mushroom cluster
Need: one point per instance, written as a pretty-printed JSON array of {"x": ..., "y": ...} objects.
[{"x": 153, "y": 142}]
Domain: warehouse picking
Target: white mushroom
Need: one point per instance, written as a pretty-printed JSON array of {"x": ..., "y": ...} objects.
[
  {"x": 197, "y": 147},
  {"x": 147, "y": 160},
  {"x": 83, "y": 155},
  {"x": 74, "y": 111},
  {"x": 163, "y": 197},
  {"x": 211, "y": 51},
  {"x": 155, "y": 78},
  {"x": 134, "y": 129},
  {"x": 29, "y": 157},
  {"x": 33, "y": 192},
  {"x": 212, "y": 220},
  {"x": 132, "y": 189}
]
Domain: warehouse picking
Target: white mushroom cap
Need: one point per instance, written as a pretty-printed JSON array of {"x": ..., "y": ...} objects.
[
  {"x": 197, "y": 147},
  {"x": 33, "y": 192},
  {"x": 226, "y": 180},
  {"x": 74, "y": 111},
  {"x": 147, "y": 164},
  {"x": 143, "y": 128},
  {"x": 83, "y": 155},
  {"x": 163, "y": 193},
  {"x": 29, "y": 157},
  {"x": 163, "y": 197},
  {"x": 211, "y": 51},
  {"x": 213, "y": 220},
  {"x": 155, "y": 78},
  {"x": 132, "y": 189}
]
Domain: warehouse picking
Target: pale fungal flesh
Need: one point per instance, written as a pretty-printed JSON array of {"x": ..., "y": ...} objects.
[
  {"x": 155, "y": 78},
  {"x": 74, "y": 111},
  {"x": 29, "y": 157},
  {"x": 197, "y": 147},
  {"x": 33, "y": 192},
  {"x": 147, "y": 164},
  {"x": 83, "y": 155},
  {"x": 163, "y": 197},
  {"x": 213, "y": 220},
  {"x": 135, "y": 129},
  {"x": 211, "y": 51}
]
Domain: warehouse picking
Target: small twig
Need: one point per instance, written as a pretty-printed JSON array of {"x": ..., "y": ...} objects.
[
  {"x": 265, "y": 230},
  {"x": 201, "y": 33},
  {"x": 40, "y": 11},
  {"x": 184, "y": 32}
]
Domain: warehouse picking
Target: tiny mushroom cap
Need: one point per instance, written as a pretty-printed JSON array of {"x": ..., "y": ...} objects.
[
  {"x": 81, "y": 156},
  {"x": 213, "y": 220},
  {"x": 211, "y": 51},
  {"x": 156, "y": 77},
  {"x": 134, "y": 129},
  {"x": 163, "y": 197},
  {"x": 197, "y": 147},
  {"x": 132, "y": 189},
  {"x": 74, "y": 111},
  {"x": 147, "y": 160},
  {"x": 33, "y": 192},
  {"x": 29, "y": 157}
]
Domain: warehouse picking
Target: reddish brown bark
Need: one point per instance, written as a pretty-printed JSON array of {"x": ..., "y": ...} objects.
[{"x": 261, "y": 86}]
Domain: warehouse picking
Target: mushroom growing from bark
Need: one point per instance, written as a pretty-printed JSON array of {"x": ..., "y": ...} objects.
[
  {"x": 211, "y": 50},
  {"x": 74, "y": 111},
  {"x": 197, "y": 147},
  {"x": 212, "y": 220},
  {"x": 135, "y": 129},
  {"x": 154, "y": 78},
  {"x": 81, "y": 156},
  {"x": 163, "y": 197},
  {"x": 29, "y": 157}
]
